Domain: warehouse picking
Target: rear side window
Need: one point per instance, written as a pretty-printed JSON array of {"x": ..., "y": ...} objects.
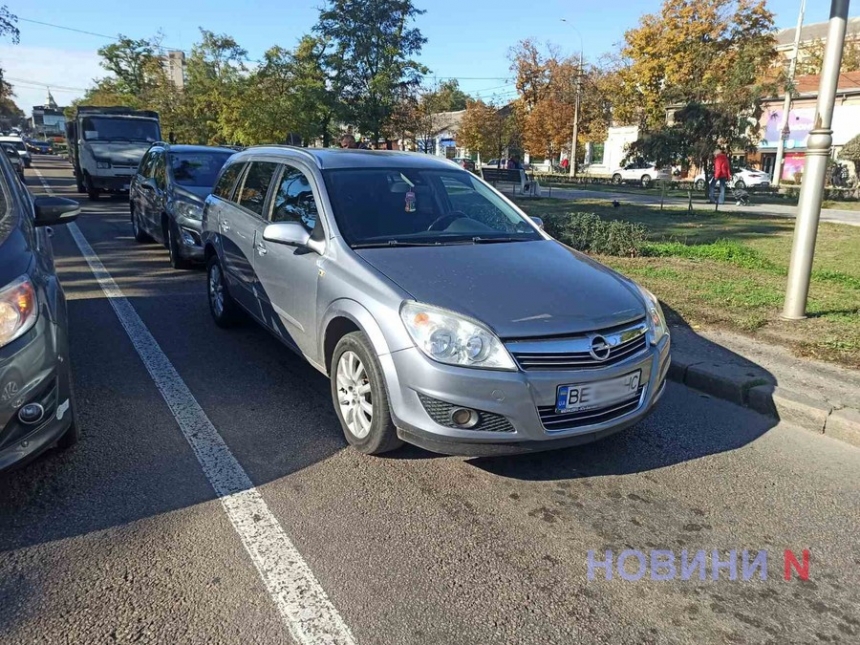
[
  {"x": 256, "y": 186},
  {"x": 227, "y": 182}
]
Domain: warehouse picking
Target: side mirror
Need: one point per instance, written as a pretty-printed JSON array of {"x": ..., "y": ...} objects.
[
  {"x": 148, "y": 183},
  {"x": 55, "y": 210},
  {"x": 538, "y": 221},
  {"x": 288, "y": 233}
]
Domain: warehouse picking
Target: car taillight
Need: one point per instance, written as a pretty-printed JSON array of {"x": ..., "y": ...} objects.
[{"x": 18, "y": 309}]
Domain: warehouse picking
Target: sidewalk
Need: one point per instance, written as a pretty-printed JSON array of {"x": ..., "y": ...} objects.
[
  {"x": 851, "y": 218},
  {"x": 816, "y": 396}
]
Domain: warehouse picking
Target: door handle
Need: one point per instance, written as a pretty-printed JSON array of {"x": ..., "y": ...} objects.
[{"x": 261, "y": 248}]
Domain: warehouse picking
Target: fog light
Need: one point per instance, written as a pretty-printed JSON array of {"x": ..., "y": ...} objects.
[
  {"x": 464, "y": 418},
  {"x": 31, "y": 413},
  {"x": 188, "y": 239}
]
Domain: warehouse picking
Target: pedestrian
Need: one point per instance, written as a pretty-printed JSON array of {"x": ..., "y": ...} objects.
[
  {"x": 348, "y": 141},
  {"x": 565, "y": 164},
  {"x": 722, "y": 174}
]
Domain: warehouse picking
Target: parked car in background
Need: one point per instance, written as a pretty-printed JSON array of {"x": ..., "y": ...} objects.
[
  {"x": 14, "y": 159},
  {"x": 167, "y": 194},
  {"x": 20, "y": 146},
  {"x": 742, "y": 178},
  {"x": 37, "y": 407},
  {"x": 465, "y": 163},
  {"x": 643, "y": 173},
  {"x": 494, "y": 163},
  {"x": 441, "y": 313}
]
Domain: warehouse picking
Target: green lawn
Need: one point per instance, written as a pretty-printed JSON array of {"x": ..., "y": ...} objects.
[{"x": 729, "y": 269}]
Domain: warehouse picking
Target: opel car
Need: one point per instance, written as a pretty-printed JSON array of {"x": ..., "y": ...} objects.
[{"x": 441, "y": 314}]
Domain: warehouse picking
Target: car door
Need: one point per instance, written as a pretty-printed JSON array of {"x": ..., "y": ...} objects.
[
  {"x": 629, "y": 171},
  {"x": 136, "y": 194},
  {"x": 288, "y": 275},
  {"x": 148, "y": 200},
  {"x": 241, "y": 224}
]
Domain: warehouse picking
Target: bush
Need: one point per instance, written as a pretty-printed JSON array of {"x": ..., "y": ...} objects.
[{"x": 589, "y": 233}]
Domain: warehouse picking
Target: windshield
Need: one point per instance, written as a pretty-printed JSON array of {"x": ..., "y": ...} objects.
[
  {"x": 197, "y": 168},
  {"x": 390, "y": 206},
  {"x": 119, "y": 129}
]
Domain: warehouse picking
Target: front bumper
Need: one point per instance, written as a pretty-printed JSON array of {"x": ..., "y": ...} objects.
[
  {"x": 516, "y": 397},
  {"x": 190, "y": 244},
  {"x": 118, "y": 183},
  {"x": 34, "y": 369}
]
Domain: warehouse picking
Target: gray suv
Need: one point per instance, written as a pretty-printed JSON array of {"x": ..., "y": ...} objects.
[
  {"x": 442, "y": 315},
  {"x": 166, "y": 197}
]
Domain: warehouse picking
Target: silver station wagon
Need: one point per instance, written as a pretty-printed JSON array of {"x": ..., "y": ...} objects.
[{"x": 442, "y": 315}]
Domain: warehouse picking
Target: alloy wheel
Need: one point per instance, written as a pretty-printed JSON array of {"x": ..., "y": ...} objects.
[
  {"x": 354, "y": 394},
  {"x": 216, "y": 290}
]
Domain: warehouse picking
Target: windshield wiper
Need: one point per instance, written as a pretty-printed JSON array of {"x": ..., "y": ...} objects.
[
  {"x": 495, "y": 240},
  {"x": 387, "y": 243}
]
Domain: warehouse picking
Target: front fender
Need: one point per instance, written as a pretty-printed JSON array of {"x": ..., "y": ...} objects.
[{"x": 364, "y": 320}]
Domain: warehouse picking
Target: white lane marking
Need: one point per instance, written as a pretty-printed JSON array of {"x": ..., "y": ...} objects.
[{"x": 301, "y": 600}]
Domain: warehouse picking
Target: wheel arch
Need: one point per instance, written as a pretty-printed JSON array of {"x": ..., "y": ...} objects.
[{"x": 343, "y": 317}]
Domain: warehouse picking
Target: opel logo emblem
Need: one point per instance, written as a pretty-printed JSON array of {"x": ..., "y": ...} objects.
[{"x": 600, "y": 349}]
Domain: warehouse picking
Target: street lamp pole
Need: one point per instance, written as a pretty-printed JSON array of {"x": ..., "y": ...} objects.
[
  {"x": 815, "y": 167},
  {"x": 575, "y": 137},
  {"x": 786, "y": 108}
]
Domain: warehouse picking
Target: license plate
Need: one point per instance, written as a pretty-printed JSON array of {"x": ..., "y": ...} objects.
[{"x": 599, "y": 394}]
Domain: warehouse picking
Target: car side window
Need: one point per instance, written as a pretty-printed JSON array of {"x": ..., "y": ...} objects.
[
  {"x": 256, "y": 186},
  {"x": 294, "y": 200},
  {"x": 144, "y": 163},
  {"x": 227, "y": 183}
]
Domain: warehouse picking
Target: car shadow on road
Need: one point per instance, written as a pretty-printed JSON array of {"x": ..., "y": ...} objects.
[{"x": 712, "y": 426}]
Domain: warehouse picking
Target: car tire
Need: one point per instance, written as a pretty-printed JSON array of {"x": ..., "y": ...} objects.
[
  {"x": 700, "y": 184},
  {"x": 353, "y": 366},
  {"x": 176, "y": 259},
  {"x": 80, "y": 186},
  {"x": 225, "y": 311},
  {"x": 646, "y": 181},
  {"x": 617, "y": 179},
  {"x": 92, "y": 191},
  {"x": 73, "y": 434},
  {"x": 140, "y": 235},
  {"x": 740, "y": 184}
]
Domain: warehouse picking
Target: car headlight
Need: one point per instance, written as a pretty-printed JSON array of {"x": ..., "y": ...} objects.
[
  {"x": 656, "y": 318},
  {"x": 103, "y": 164},
  {"x": 18, "y": 309},
  {"x": 450, "y": 338},
  {"x": 189, "y": 210}
]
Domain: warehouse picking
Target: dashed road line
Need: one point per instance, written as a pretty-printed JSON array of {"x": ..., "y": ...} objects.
[{"x": 302, "y": 602}]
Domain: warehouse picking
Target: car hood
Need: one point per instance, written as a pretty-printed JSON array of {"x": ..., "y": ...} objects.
[
  {"x": 120, "y": 152},
  {"x": 520, "y": 289},
  {"x": 193, "y": 193}
]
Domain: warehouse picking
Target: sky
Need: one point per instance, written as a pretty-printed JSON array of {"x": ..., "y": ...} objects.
[{"x": 467, "y": 39}]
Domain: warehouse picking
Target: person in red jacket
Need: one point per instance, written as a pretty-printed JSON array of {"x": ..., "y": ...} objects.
[{"x": 722, "y": 173}]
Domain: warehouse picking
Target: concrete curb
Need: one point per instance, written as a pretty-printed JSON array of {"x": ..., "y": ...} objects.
[{"x": 754, "y": 388}]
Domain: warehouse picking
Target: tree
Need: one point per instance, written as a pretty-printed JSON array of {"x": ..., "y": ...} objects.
[
  {"x": 371, "y": 62},
  {"x": 128, "y": 60},
  {"x": 851, "y": 152},
  {"x": 447, "y": 97},
  {"x": 488, "y": 129},
  {"x": 215, "y": 90},
  {"x": 547, "y": 84},
  {"x": 812, "y": 57},
  {"x": 10, "y": 114},
  {"x": 694, "y": 51},
  {"x": 8, "y": 24}
]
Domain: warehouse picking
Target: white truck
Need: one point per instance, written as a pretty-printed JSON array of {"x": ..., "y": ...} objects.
[{"x": 106, "y": 145}]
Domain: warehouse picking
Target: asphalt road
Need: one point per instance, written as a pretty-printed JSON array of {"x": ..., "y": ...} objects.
[{"x": 123, "y": 540}]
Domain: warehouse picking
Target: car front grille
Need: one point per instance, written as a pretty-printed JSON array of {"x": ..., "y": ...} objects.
[
  {"x": 440, "y": 412},
  {"x": 575, "y": 353},
  {"x": 554, "y": 422}
]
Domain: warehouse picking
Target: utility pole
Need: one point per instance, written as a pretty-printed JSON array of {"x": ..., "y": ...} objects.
[
  {"x": 576, "y": 101},
  {"x": 786, "y": 108},
  {"x": 575, "y": 138},
  {"x": 815, "y": 168}
]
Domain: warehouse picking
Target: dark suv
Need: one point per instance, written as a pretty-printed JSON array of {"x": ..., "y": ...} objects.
[
  {"x": 37, "y": 409},
  {"x": 166, "y": 197}
]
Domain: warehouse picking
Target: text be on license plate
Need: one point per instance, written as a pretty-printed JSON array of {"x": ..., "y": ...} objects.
[{"x": 587, "y": 396}]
